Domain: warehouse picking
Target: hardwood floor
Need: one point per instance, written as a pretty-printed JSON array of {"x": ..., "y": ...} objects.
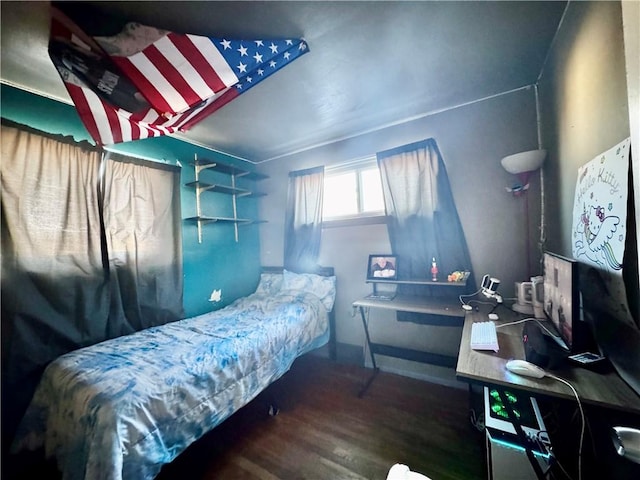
[{"x": 324, "y": 431}]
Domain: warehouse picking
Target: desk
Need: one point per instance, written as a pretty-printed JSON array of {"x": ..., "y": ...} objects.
[
  {"x": 449, "y": 314},
  {"x": 605, "y": 390}
]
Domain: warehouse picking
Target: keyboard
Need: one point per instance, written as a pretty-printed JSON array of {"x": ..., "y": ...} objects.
[{"x": 483, "y": 336}]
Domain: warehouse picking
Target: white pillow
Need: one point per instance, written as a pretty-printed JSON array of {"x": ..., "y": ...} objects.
[
  {"x": 270, "y": 283},
  {"x": 322, "y": 287}
]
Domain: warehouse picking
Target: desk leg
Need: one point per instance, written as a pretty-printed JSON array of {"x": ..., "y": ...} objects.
[{"x": 373, "y": 358}]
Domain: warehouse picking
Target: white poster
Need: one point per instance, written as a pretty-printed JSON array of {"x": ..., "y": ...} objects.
[{"x": 600, "y": 221}]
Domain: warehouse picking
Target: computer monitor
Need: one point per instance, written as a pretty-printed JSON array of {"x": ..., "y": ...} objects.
[
  {"x": 562, "y": 300},
  {"x": 382, "y": 267}
]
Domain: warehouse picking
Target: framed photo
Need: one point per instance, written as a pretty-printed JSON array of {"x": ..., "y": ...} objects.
[{"x": 382, "y": 267}]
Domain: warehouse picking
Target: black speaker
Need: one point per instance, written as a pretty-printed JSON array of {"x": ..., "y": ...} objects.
[{"x": 540, "y": 350}]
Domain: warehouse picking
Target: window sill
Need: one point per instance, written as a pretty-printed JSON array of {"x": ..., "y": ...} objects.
[{"x": 355, "y": 221}]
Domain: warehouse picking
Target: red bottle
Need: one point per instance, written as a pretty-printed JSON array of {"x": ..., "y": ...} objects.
[{"x": 434, "y": 270}]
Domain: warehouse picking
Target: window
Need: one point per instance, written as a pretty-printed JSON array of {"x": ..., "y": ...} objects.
[{"x": 353, "y": 191}]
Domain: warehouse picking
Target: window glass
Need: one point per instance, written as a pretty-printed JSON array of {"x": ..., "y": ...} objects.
[
  {"x": 340, "y": 195},
  {"x": 372, "y": 200},
  {"x": 353, "y": 191}
]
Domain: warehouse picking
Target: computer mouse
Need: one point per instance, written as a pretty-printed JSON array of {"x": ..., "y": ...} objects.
[
  {"x": 467, "y": 307},
  {"x": 526, "y": 369},
  {"x": 493, "y": 316}
]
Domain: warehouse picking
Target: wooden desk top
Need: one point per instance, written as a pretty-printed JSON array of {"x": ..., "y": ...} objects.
[
  {"x": 408, "y": 303},
  {"x": 607, "y": 390}
]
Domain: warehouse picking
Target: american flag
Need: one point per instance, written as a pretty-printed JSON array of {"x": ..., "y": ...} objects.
[{"x": 145, "y": 82}]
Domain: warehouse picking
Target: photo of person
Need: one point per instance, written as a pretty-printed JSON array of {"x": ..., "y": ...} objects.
[{"x": 382, "y": 267}]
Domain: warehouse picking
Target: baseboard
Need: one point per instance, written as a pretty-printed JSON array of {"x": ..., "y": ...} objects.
[
  {"x": 349, "y": 354},
  {"x": 354, "y": 355},
  {"x": 410, "y": 369},
  {"x": 426, "y": 377}
]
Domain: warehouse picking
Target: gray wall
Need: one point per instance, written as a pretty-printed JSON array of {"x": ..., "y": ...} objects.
[
  {"x": 472, "y": 140},
  {"x": 583, "y": 105}
]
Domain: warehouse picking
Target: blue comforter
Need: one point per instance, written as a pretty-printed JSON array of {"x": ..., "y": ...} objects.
[{"x": 123, "y": 408}]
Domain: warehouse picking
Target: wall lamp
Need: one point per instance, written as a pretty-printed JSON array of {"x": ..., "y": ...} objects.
[{"x": 522, "y": 165}]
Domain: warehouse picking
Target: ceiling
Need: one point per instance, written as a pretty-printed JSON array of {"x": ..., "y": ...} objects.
[{"x": 370, "y": 65}]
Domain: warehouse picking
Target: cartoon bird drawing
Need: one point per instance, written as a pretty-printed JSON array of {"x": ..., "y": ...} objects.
[{"x": 596, "y": 230}]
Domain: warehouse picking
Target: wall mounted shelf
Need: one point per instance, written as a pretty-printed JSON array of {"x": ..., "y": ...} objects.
[{"x": 232, "y": 190}]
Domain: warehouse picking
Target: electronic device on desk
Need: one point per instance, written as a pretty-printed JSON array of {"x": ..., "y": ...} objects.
[
  {"x": 484, "y": 336},
  {"x": 540, "y": 349},
  {"x": 506, "y": 453},
  {"x": 562, "y": 302},
  {"x": 382, "y": 266},
  {"x": 530, "y": 297},
  {"x": 525, "y": 409},
  {"x": 570, "y": 337},
  {"x": 490, "y": 287},
  {"x": 507, "y": 459},
  {"x": 382, "y": 296},
  {"x": 590, "y": 361}
]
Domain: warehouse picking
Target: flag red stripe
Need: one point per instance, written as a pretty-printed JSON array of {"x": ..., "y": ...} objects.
[
  {"x": 114, "y": 123},
  {"x": 143, "y": 84},
  {"x": 217, "y": 104},
  {"x": 135, "y": 131},
  {"x": 199, "y": 62},
  {"x": 142, "y": 116},
  {"x": 85, "y": 112},
  {"x": 171, "y": 74},
  {"x": 59, "y": 30},
  {"x": 173, "y": 123},
  {"x": 184, "y": 119}
]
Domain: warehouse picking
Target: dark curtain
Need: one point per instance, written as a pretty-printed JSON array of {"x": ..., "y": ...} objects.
[
  {"x": 303, "y": 220},
  {"x": 54, "y": 293},
  {"x": 144, "y": 242},
  {"x": 423, "y": 221},
  {"x": 69, "y": 241}
]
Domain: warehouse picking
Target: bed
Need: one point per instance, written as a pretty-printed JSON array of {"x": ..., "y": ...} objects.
[{"x": 124, "y": 407}]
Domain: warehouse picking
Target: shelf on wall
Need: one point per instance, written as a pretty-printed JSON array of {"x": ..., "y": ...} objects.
[
  {"x": 228, "y": 169},
  {"x": 215, "y": 187},
  {"x": 204, "y": 219},
  {"x": 232, "y": 190}
]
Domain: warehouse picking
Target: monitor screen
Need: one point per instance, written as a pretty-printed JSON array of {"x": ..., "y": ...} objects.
[
  {"x": 561, "y": 295},
  {"x": 382, "y": 267}
]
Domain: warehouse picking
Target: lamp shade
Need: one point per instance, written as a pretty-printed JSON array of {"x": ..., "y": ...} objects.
[{"x": 523, "y": 162}]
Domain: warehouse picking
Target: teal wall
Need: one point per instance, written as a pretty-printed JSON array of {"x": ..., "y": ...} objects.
[{"x": 216, "y": 263}]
